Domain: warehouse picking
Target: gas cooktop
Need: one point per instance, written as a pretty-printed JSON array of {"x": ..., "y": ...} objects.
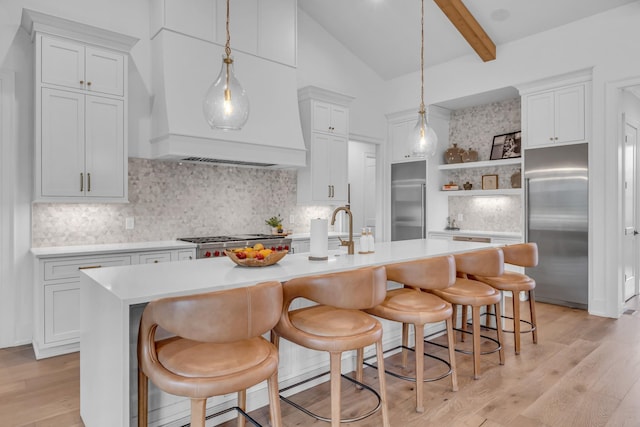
[{"x": 234, "y": 238}]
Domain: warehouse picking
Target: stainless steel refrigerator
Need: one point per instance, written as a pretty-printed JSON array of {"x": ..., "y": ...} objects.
[
  {"x": 557, "y": 219},
  {"x": 408, "y": 200}
]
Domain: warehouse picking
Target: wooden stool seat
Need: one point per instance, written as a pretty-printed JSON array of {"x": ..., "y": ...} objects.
[
  {"x": 336, "y": 325},
  {"x": 468, "y": 292},
  {"x": 411, "y": 306},
  {"x": 217, "y": 348},
  {"x": 522, "y": 255},
  {"x": 202, "y": 362}
]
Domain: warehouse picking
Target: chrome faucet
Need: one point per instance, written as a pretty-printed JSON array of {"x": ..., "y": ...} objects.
[{"x": 348, "y": 243}]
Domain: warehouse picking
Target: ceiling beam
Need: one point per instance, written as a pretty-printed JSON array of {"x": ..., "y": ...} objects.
[{"x": 470, "y": 29}]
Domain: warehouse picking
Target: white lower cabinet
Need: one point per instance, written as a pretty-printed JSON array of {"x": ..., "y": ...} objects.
[{"x": 57, "y": 294}]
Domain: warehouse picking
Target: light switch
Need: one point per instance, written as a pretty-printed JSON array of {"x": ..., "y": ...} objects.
[
  {"x": 129, "y": 223},
  {"x": 292, "y": 219},
  {"x": 460, "y": 217}
]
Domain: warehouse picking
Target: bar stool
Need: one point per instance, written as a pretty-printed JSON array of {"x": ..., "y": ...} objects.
[
  {"x": 410, "y": 305},
  {"x": 218, "y": 349},
  {"x": 467, "y": 292},
  {"x": 336, "y": 325},
  {"x": 522, "y": 255}
]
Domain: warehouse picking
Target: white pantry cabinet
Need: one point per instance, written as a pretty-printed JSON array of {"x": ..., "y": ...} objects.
[
  {"x": 80, "y": 110},
  {"x": 324, "y": 116},
  {"x": 556, "y": 113},
  {"x": 57, "y": 293}
]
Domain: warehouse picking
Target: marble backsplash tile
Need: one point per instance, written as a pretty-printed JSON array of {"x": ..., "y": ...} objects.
[
  {"x": 499, "y": 213},
  {"x": 169, "y": 200}
]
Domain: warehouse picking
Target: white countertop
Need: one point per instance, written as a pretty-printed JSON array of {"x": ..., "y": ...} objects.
[
  {"x": 142, "y": 283},
  {"x": 479, "y": 233},
  {"x": 110, "y": 248}
]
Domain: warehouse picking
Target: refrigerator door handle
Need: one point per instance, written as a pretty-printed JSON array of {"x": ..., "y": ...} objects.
[{"x": 423, "y": 190}]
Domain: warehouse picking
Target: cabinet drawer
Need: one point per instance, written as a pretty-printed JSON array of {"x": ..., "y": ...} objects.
[
  {"x": 186, "y": 255},
  {"x": 155, "y": 257},
  {"x": 70, "y": 268}
]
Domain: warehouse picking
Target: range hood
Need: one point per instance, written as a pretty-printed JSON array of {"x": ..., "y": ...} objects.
[{"x": 183, "y": 69}]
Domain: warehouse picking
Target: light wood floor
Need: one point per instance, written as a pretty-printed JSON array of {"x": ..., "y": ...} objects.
[{"x": 584, "y": 371}]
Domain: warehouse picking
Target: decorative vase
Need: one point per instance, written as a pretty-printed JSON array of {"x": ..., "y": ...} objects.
[
  {"x": 470, "y": 155},
  {"x": 453, "y": 154},
  {"x": 467, "y": 185},
  {"x": 516, "y": 180}
]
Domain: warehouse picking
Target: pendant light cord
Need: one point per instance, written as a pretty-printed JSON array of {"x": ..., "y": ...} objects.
[
  {"x": 422, "y": 109},
  {"x": 227, "y": 47}
]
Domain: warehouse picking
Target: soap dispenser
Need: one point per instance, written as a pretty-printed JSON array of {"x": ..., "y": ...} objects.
[
  {"x": 364, "y": 242},
  {"x": 370, "y": 241}
]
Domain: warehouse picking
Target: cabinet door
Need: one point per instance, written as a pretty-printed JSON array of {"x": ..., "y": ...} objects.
[
  {"x": 339, "y": 120},
  {"x": 338, "y": 164},
  {"x": 62, "y": 63},
  {"x": 62, "y": 144},
  {"x": 399, "y": 140},
  {"x": 320, "y": 184},
  {"x": 540, "y": 119},
  {"x": 570, "y": 114},
  {"x": 61, "y": 313},
  {"x": 104, "y": 71},
  {"x": 105, "y": 150},
  {"x": 321, "y": 116}
]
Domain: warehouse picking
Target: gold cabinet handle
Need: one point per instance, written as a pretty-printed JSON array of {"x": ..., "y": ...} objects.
[
  {"x": 329, "y": 188},
  {"x": 88, "y": 182},
  {"x": 88, "y": 267},
  {"x": 88, "y": 83},
  {"x": 155, "y": 261},
  {"x": 81, "y": 182},
  {"x": 81, "y": 82}
]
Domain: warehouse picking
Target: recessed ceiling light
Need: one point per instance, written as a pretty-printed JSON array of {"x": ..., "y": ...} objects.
[{"x": 500, "y": 15}]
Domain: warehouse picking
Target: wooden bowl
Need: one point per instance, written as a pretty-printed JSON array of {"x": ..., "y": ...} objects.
[{"x": 273, "y": 258}]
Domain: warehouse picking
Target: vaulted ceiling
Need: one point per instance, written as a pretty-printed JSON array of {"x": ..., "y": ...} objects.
[{"x": 385, "y": 34}]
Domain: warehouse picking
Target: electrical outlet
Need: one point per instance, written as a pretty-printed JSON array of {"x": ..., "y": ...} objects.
[
  {"x": 292, "y": 219},
  {"x": 129, "y": 223},
  {"x": 460, "y": 217}
]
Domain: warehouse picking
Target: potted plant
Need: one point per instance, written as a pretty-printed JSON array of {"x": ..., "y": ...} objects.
[{"x": 275, "y": 222}]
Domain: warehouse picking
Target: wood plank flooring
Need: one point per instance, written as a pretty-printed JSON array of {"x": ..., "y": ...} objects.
[{"x": 584, "y": 371}]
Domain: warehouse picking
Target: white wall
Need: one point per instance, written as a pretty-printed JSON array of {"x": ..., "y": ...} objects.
[
  {"x": 605, "y": 42},
  {"x": 324, "y": 62}
]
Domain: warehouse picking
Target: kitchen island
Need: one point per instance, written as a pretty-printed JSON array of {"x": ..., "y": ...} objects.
[{"x": 112, "y": 300}]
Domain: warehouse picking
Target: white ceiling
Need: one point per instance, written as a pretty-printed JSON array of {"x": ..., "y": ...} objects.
[{"x": 385, "y": 34}]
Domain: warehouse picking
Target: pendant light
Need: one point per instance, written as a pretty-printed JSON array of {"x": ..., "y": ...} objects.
[
  {"x": 226, "y": 105},
  {"x": 423, "y": 140}
]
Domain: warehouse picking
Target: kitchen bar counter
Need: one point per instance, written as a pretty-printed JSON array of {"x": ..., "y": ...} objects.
[{"x": 112, "y": 300}]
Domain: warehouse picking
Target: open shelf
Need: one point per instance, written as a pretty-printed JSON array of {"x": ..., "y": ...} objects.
[
  {"x": 482, "y": 164},
  {"x": 498, "y": 192}
]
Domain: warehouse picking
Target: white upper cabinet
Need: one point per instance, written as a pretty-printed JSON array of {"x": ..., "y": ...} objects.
[
  {"x": 74, "y": 65},
  {"x": 399, "y": 127},
  {"x": 265, "y": 28},
  {"x": 330, "y": 118},
  {"x": 80, "y": 110},
  {"x": 324, "y": 116},
  {"x": 556, "y": 115}
]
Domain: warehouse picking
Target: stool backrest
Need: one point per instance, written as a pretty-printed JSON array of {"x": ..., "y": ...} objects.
[
  {"x": 222, "y": 316},
  {"x": 427, "y": 273},
  {"x": 484, "y": 262},
  {"x": 521, "y": 254},
  {"x": 354, "y": 289}
]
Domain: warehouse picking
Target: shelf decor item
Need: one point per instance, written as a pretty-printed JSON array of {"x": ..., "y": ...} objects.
[
  {"x": 467, "y": 186},
  {"x": 516, "y": 180},
  {"x": 489, "y": 182},
  {"x": 468, "y": 156},
  {"x": 423, "y": 138},
  {"x": 453, "y": 154},
  {"x": 506, "y": 146},
  {"x": 226, "y": 104}
]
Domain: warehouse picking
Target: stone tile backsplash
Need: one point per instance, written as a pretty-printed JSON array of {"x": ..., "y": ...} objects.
[
  {"x": 169, "y": 200},
  {"x": 475, "y": 128}
]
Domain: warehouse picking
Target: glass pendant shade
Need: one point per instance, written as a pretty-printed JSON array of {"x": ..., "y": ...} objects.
[
  {"x": 226, "y": 104},
  {"x": 423, "y": 139}
]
